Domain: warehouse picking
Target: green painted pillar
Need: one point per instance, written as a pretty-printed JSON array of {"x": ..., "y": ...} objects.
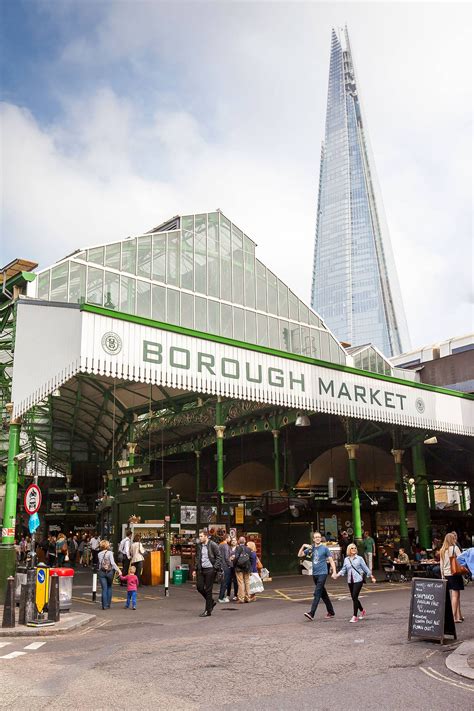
[
  {"x": 7, "y": 546},
  {"x": 220, "y": 430},
  {"x": 462, "y": 497},
  {"x": 9, "y": 513},
  {"x": 198, "y": 473},
  {"x": 421, "y": 493},
  {"x": 400, "y": 486},
  {"x": 432, "y": 497},
  {"x": 351, "y": 450},
  {"x": 276, "y": 458}
]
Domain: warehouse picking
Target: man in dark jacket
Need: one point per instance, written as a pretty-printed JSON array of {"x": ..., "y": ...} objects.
[
  {"x": 242, "y": 567},
  {"x": 208, "y": 563}
]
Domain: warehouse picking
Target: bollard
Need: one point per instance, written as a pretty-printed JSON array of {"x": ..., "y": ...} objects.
[
  {"x": 53, "y": 604},
  {"x": 9, "y": 608},
  {"x": 30, "y": 605},
  {"x": 94, "y": 585},
  {"x": 22, "y": 611}
]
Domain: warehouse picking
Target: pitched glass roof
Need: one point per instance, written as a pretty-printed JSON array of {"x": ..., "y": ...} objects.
[{"x": 197, "y": 271}]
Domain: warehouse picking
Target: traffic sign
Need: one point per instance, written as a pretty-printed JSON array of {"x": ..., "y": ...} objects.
[
  {"x": 32, "y": 499},
  {"x": 42, "y": 588}
]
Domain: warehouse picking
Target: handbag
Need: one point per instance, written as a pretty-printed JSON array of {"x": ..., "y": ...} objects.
[
  {"x": 259, "y": 564},
  {"x": 456, "y": 567}
]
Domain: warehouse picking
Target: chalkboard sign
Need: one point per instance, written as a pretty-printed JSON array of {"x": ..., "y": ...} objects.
[{"x": 431, "y": 614}]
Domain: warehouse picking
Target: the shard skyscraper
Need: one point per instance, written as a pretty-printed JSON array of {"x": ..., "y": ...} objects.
[{"x": 355, "y": 285}]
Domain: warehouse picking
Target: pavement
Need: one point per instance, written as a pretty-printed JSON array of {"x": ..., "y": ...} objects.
[
  {"x": 69, "y": 621},
  {"x": 461, "y": 661},
  {"x": 265, "y": 654}
]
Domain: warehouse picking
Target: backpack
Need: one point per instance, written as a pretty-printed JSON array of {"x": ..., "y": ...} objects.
[
  {"x": 106, "y": 565},
  {"x": 243, "y": 561}
]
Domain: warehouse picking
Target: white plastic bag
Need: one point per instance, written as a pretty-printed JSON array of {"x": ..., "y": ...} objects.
[
  {"x": 256, "y": 585},
  {"x": 264, "y": 573}
]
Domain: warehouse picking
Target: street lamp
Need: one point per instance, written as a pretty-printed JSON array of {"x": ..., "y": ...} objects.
[{"x": 302, "y": 420}]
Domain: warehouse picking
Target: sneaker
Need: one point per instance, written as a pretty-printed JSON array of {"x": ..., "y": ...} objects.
[
  {"x": 221, "y": 601},
  {"x": 205, "y": 614},
  {"x": 227, "y": 598},
  {"x": 362, "y": 614},
  {"x": 134, "y": 608},
  {"x": 235, "y": 598},
  {"x": 329, "y": 616},
  {"x": 309, "y": 616},
  {"x": 353, "y": 619}
]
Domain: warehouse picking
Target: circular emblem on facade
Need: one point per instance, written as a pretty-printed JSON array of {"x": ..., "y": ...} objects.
[
  {"x": 420, "y": 405},
  {"x": 111, "y": 343}
]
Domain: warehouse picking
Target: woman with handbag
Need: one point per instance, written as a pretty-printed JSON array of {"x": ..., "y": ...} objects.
[
  {"x": 452, "y": 571},
  {"x": 107, "y": 569},
  {"x": 355, "y": 568}
]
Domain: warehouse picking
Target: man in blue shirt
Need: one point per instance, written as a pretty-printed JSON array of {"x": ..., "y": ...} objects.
[{"x": 321, "y": 556}]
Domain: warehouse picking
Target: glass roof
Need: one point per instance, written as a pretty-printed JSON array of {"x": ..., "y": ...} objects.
[{"x": 198, "y": 271}]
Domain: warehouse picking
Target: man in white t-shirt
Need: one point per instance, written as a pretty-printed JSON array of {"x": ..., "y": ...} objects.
[
  {"x": 124, "y": 550},
  {"x": 94, "y": 544}
]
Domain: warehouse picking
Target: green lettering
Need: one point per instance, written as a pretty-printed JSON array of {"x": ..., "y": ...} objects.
[
  {"x": 226, "y": 374},
  {"x": 206, "y": 360},
  {"x": 389, "y": 400},
  {"x": 297, "y": 380},
  {"x": 329, "y": 390},
  {"x": 248, "y": 376},
  {"x": 344, "y": 392},
  {"x": 279, "y": 381},
  {"x": 401, "y": 398},
  {"x": 187, "y": 358},
  {"x": 373, "y": 397},
  {"x": 152, "y": 352},
  {"x": 359, "y": 392}
]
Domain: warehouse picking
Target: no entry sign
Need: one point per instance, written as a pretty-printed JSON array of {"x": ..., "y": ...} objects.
[{"x": 32, "y": 499}]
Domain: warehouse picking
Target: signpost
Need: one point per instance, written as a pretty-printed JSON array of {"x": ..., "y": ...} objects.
[{"x": 431, "y": 614}]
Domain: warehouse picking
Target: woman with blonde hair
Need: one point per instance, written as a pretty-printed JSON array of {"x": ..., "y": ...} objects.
[
  {"x": 355, "y": 568},
  {"x": 257, "y": 583},
  {"x": 450, "y": 549}
]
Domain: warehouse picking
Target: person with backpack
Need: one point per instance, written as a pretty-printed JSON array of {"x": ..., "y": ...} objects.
[
  {"x": 107, "y": 566},
  {"x": 208, "y": 563},
  {"x": 243, "y": 568},
  {"x": 124, "y": 555},
  {"x": 356, "y": 569},
  {"x": 321, "y": 557}
]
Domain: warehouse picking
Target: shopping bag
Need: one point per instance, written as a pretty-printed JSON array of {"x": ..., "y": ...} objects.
[
  {"x": 264, "y": 573},
  {"x": 256, "y": 585}
]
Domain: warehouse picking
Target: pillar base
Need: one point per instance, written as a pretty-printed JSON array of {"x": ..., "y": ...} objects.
[{"x": 7, "y": 566}]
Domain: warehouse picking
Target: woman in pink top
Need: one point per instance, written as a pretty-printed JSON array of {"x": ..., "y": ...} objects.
[{"x": 132, "y": 587}]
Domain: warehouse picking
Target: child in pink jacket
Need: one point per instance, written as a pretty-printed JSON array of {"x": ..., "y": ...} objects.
[{"x": 132, "y": 586}]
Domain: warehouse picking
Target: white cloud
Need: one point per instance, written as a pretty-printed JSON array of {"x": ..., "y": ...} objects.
[{"x": 231, "y": 114}]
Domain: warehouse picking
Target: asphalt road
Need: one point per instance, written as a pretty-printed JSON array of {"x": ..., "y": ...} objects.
[{"x": 265, "y": 654}]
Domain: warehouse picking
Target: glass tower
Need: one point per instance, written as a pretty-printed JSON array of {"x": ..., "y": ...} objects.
[{"x": 355, "y": 284}]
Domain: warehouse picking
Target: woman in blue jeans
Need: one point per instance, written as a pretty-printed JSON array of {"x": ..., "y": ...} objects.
[{"x": 107, "y": 567}]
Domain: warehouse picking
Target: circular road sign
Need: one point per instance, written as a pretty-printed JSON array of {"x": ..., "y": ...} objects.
[{"x": 32, "y": 499}]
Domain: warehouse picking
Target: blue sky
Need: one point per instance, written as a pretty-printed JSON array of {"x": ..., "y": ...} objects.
[{"x": 117, "y": 115}]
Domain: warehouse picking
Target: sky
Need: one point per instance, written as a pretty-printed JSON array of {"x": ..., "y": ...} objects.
[{"x": 118, "y": 115}]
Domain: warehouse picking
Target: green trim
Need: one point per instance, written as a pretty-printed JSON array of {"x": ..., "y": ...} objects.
[{"x": 141, "y": 321}]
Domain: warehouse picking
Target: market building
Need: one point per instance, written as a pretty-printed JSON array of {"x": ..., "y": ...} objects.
[{"x": 173, "y": 374}]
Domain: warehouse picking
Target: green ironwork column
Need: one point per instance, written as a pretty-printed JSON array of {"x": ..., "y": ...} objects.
[
  {"x": 351, "y": 450},
  {"x": 400, "y": 486},
  {"x": 198, "y": 473},
  {"x": 7, "y": 547},
  {"x": 220, "y": 430},
  {"x": 9, "y": 513},
  {"x": 432, "y": 497},
  {"x": 421, "y": 494},
  {"x": 276, "y": 458}
]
